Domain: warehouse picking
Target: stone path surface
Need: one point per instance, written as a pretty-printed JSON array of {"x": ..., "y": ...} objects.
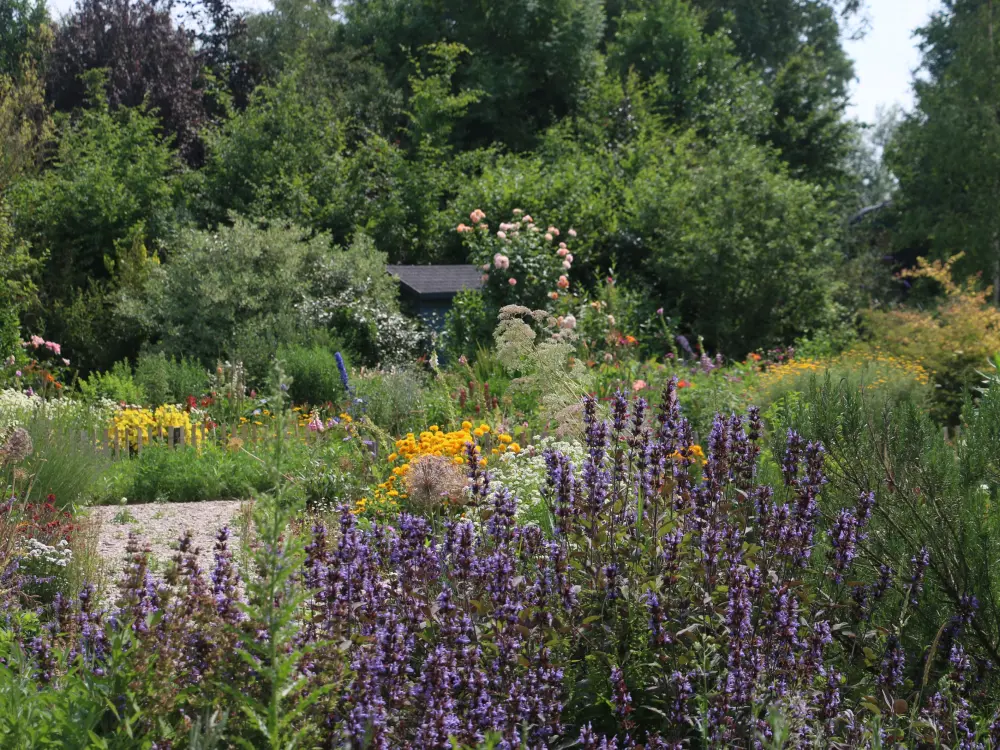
[{"x": 161, "y": 525}]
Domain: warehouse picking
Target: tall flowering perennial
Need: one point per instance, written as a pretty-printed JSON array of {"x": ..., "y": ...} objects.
[{"x": 674, "y": 604}]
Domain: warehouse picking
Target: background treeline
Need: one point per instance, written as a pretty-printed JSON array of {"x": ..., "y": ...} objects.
[{"x": 185, "y": 178}]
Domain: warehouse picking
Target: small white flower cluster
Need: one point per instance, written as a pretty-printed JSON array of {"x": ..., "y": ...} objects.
[
  {"x": 525, "y": 473},
  {"x": 17, "y": 408},
  {"x": 58, "y": 555}
]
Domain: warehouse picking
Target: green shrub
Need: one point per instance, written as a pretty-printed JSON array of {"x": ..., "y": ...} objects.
[
  {"x": 392, "y": 400},
  {"x": 929, "y": 493},
  {"x": 169, "y": 380},
  {"x": 117, "y": 384},
  {"x": 314, "y": 374},
  {"x": 468, "y": 325},
  {"x": 63, "y": 463},
  {"x": 188, "y": 474}
]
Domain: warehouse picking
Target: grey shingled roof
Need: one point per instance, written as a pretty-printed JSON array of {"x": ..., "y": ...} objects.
[{"x": 437, "y": 282}]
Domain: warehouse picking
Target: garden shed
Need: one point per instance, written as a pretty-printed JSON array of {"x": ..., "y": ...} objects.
[{"x": 427, "y": 291}]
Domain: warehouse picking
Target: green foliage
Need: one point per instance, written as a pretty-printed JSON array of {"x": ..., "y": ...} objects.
[
  {"x": 169, "y": 380},
  {"x": 117, "y": 384},
  {"x": 24, "y": 34},
  {"x": 96, "y": 213},
  {"x": 286, "y": 157},
  {"x": 468, "y": 325},
  {"x": 63, "y": 463},
  {"x": 186, "y": 474},
  {"x": 737, "y": 250},
  {"x": 222, "y": 285},
  {"x": 392, "y": 400},
  {"x": 531, "y": 60},
  {"x": 313, "y": 372},
  {"x": 946, "y": 154},
  {"x": 928, "y": 493}
]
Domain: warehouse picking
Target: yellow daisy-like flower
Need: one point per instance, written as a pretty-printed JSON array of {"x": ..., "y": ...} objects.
[
  {"x": 505, "y": 438},
  {"x": 514, "y": 448}
]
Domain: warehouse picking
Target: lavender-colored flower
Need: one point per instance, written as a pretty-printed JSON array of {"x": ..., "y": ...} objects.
[
  {"x": 918, "y": 568},
  {"x": 843, "y": 543},
  {"x": 890, "y": 676}
]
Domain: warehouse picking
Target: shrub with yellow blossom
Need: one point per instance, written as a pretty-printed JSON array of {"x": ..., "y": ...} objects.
[
  {"x": 953, "y": 341},
  {"x": 874, "y": 371}
]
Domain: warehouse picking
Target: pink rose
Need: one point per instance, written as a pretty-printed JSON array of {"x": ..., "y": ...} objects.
[
  {"x": 37, "y": 341},
  {"x": 568, "y": 322},
  {"x": 563, "y": 282},
  {"x": 562, "y": 252},
  {"x": 512, "y": 282},
  {"x": 548, "y": 237},
  {"x": 569, "y": 258},
  {"x": 53, "y": 347},
  {"x": 502, "y": 235},
  {"x": 659, "y": 311},
  {"x": 572, "y": 233},
  {"x": 638, "y": 385},
  {"x": 567, "y": 265}
]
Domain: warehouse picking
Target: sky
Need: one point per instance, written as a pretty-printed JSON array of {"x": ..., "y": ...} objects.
[{"x": 884, "y": 58}]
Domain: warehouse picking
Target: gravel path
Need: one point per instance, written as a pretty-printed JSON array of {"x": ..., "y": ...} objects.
[{"x": 161, "y": 524}]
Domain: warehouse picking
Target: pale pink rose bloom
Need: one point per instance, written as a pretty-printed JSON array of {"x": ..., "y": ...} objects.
[
  {"x": 37, "y": 341},
  {"x": 572, "y": 233},
  {"x": 502, "y": 235},
  {"x": 553, "y": 295},
  {"x": 501, "y": 262},
  {"x": 518, "y": 212},
  {"x": 53, "y": 347},
  {"x": 562, "y": 245},
  {"x": 569, "y": 322},
  {"x": 548, "y": 237},
  {"x": 485, "y": 278},
  {"x": 486, "y": 266},
  {"x": 567, "y": 265},
  {"x": 569, "y": 258},
  {"x": 512, "y": 282},
  {"x": 562, "y": 252},
  {"x": 65, "y": 361},
  {"x": 563, "y": 282},
  {"x": 477, "y": 216},
  {"x": 638, "y": 385},
  {"x": 527, "y": 219}
]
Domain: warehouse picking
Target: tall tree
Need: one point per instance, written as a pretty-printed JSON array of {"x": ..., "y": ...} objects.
[
  {"x": 23, "y": 34},
  {"x": 796, "y": 46},
  {"x": 531, "y": 58},
  {"x": 148, "y": 61},
  {"x": 947, "y": 153}
]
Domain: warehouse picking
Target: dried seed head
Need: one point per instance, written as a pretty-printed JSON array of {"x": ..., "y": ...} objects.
[
  {"x": 16, "y": 447},
  {"x": 433, "y": 481}
]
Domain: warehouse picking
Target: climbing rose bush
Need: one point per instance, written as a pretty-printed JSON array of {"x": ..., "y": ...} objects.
[{"x": 523, "y": 262}]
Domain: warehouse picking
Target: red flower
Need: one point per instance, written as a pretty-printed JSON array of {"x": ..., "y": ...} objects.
[{"x": 683, "y": 384}]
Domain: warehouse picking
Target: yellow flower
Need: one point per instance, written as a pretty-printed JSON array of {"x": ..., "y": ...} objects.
[
  {"x": 514, "y": 448},
  {"x": 466, "y": 425},
  {"x": 504, "y": 438},
  {"x": 392, "y": 457}
]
